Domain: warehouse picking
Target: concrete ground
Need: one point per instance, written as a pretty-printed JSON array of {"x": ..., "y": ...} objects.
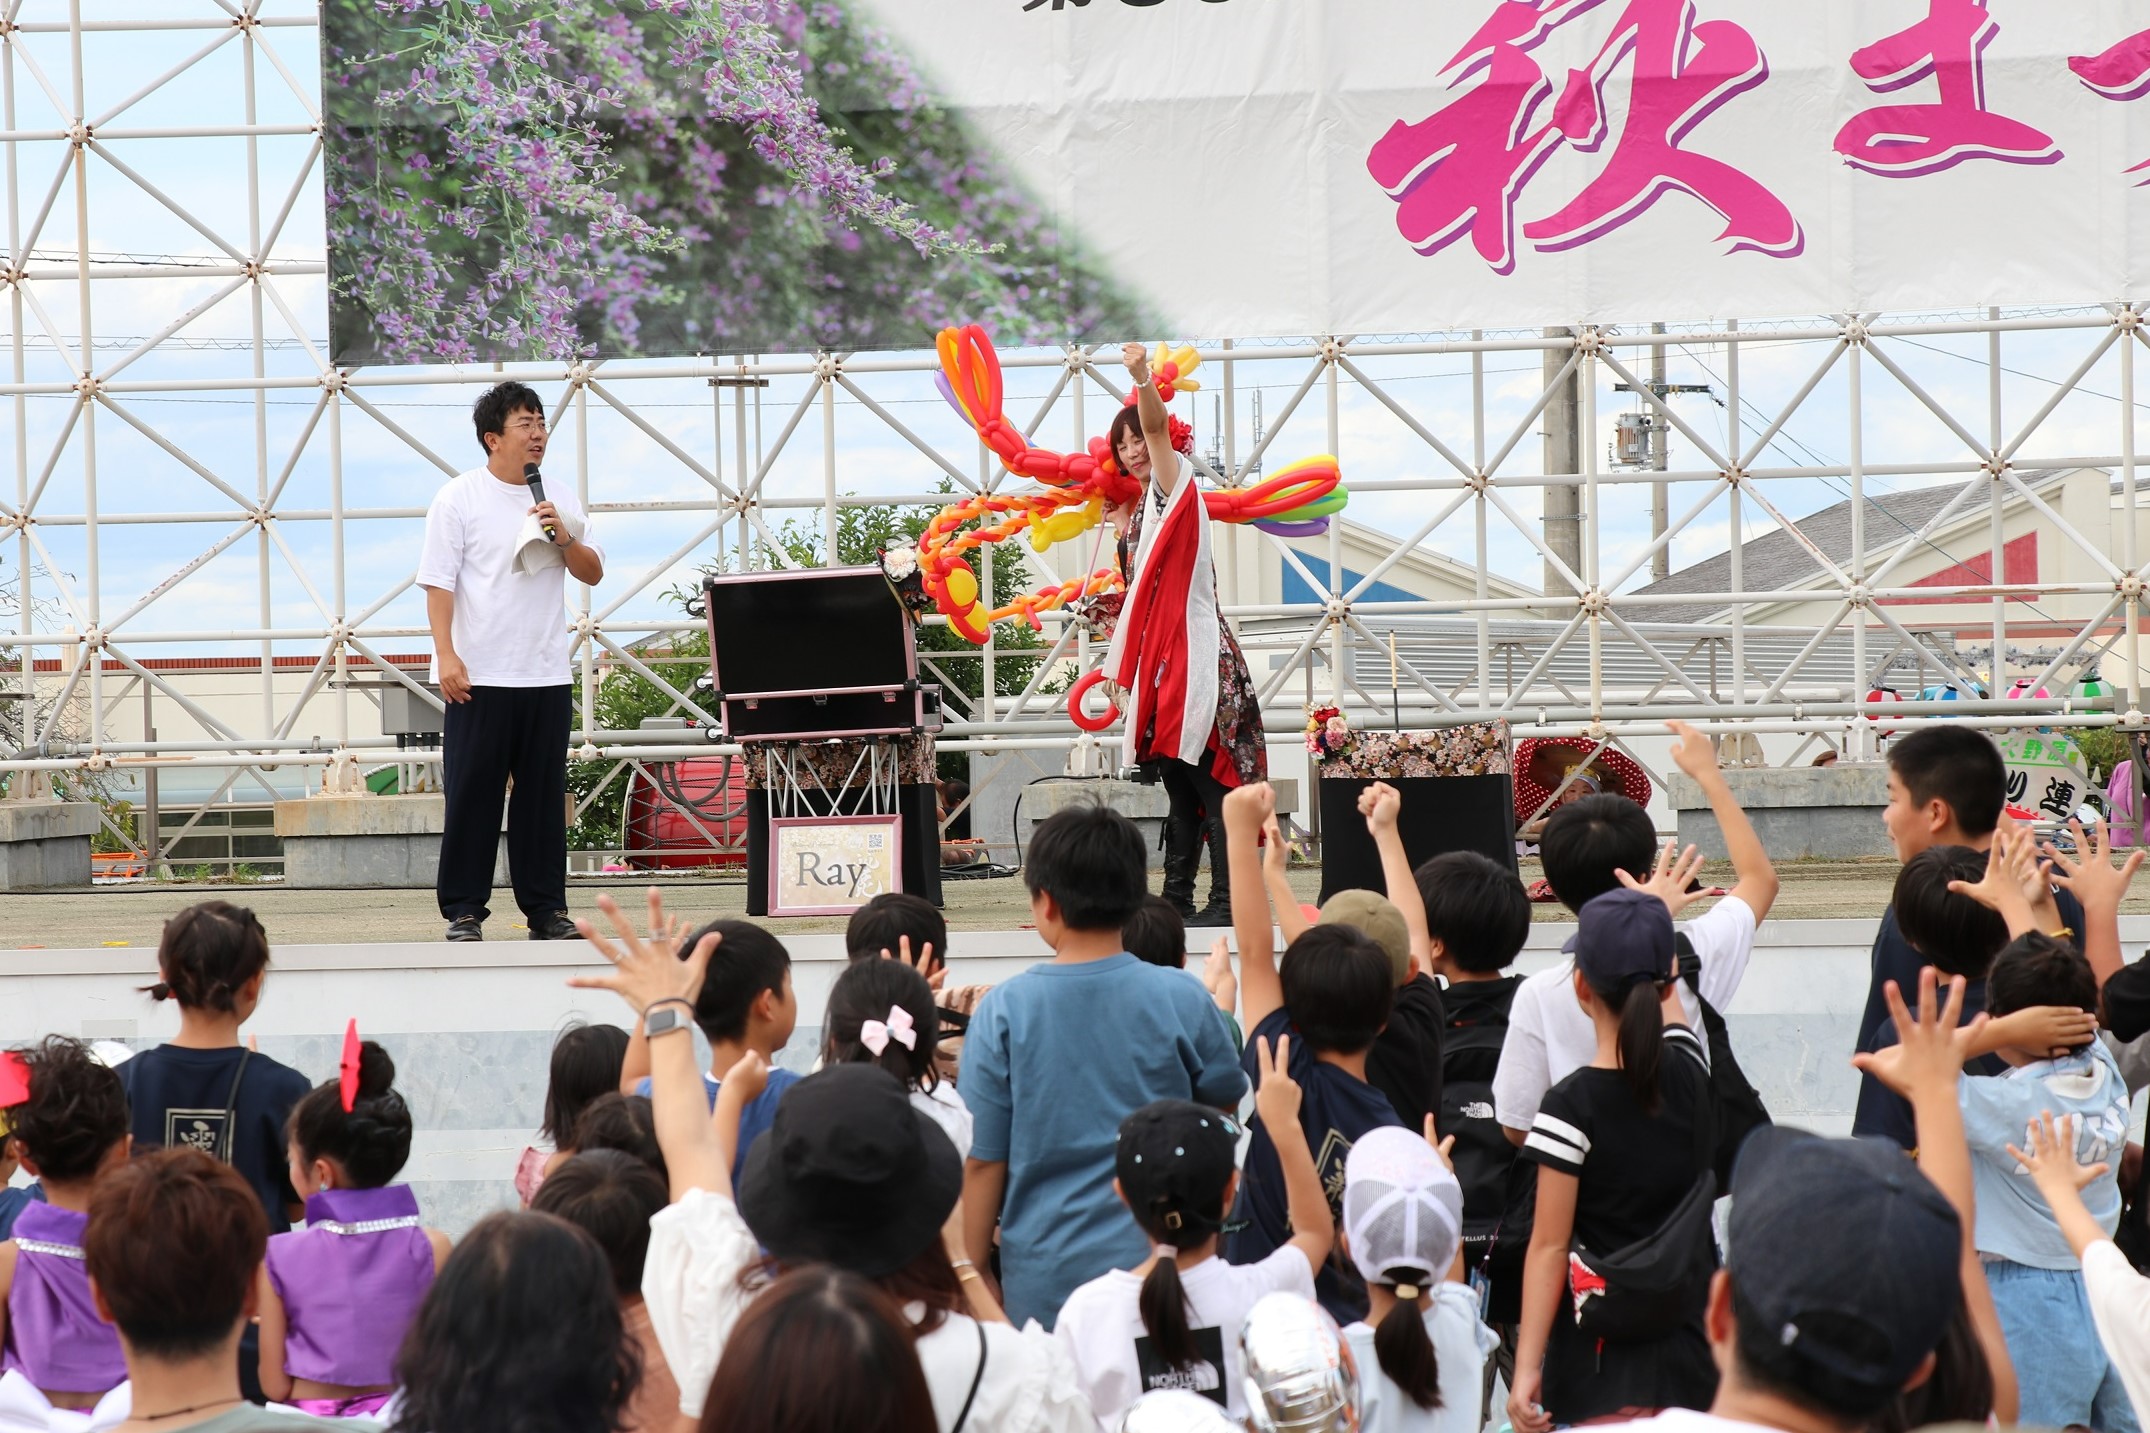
[{"x": 133, "y": 914}]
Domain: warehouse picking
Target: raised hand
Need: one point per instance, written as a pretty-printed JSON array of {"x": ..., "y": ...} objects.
[
  {"x": 2090, "y": 873},
  {"x": 1277, "y": 1098},
  {"x": 1247, "y": 808},
  {"x": 1692, "y": 751},
  {"x": 643, "y": 973},
  {"x": 748, "y": 1076},
  {"x": 2051, "y": 1158},
  {"x": 2004, "y": 887},
  {"x": 1929, "y": 1054},
  {"x": 1137, "y": 359},
  {"x": 935, "y": 971},
  {"x": 1379, "y": 804},
  {"x": 1670, "y": 878}
]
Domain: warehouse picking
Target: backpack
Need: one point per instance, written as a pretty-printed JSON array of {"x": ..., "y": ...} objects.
[
  {"x": 1737, "y": 1108},
  {"x": 1496, "y": 1215}
]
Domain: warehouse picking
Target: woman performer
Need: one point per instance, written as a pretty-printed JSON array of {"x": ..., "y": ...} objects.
[{"x": 1198, "y": 731}]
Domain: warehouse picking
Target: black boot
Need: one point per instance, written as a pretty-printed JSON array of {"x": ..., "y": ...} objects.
[
  {"x": 1183, "y": 857},
  {"x": 1219, "y": 909}
]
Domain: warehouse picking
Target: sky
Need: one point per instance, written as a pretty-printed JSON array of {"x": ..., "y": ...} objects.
[{"x": 382, "y": 477}]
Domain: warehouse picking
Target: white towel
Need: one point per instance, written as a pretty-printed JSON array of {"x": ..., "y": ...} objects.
[
  {"x": 25, "y": 1410},
  {"x": 534, "y": 552}
]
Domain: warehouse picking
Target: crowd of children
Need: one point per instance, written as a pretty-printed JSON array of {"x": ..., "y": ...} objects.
[{"x": 1368, "y": 1177}]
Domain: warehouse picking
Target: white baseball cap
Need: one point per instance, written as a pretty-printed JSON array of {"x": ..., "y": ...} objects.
[{"x": 1402, "y": 1208}]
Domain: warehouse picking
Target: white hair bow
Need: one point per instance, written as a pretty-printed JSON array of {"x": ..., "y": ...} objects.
[{"x": 875, "y": 1035}]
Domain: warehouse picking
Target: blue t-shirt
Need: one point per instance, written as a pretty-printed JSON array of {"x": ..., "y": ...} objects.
[
  {"x": 1335, "y": 1109},
  {"x": 1053, "y": 1061},
  {"x": 2014, "y": 1220},
  {"x": 13, "y": 1202},
  {"x": 1894, "y": 959},
  {"x": 754, "y": 1120}
]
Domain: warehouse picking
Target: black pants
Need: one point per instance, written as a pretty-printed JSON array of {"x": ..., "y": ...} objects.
[
  {"x": 1196, "y": 795},
  {"x": 502, "y": 732}
]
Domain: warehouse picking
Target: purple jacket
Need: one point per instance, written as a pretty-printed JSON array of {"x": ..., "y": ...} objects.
[
  {"x": 351, "y": 1282},
  {"x": 53, "y": 1333}
]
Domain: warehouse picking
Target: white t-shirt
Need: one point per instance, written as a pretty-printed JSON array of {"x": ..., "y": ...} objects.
[
  {"x": 510, "y": 627},
  {"x": 1101, "y": 1327},
  {"x": 945, "y": 1107},
  {"x": 1461, "y": 1346},
  {"x": 2120, "y": 1309},
  {"x": 1027, "y": 1385},
  {"x": 1550, "y": 1036}
]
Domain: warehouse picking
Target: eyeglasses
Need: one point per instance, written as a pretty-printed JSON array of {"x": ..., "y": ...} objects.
[{"x": 527, "y": 425}]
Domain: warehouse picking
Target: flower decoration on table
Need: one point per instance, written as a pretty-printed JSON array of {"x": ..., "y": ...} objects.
[
  {"x": 1328, "y": 733},
  {"x": 899, "y": 564},
  {"x": 1467, "y": 749}
]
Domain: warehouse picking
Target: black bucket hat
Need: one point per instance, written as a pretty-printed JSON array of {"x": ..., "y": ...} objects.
[{"x": 850, "y": 1174}]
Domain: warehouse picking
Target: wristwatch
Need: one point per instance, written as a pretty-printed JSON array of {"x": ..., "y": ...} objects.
[{"x": 664, "y": 1019}]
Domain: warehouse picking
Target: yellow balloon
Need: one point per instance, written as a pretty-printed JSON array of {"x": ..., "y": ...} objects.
[
  {"x": 963, "y": 588},
  {"x": 1041, "y": 536}
]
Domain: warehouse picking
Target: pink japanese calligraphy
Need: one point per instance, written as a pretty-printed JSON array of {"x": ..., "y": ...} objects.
[
  {"x": 2119, "y": 73},
  {"x": 1904, "y": 140},
  {"x": 1463, "y": 169}
]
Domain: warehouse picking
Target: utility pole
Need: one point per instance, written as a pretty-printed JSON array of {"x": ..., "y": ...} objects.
[
  {"x": 1660, "y": 453},
  {"x": 1563, "y": 455}
]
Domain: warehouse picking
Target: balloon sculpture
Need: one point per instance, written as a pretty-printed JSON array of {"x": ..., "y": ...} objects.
[{"x": 1296, "y": 502}]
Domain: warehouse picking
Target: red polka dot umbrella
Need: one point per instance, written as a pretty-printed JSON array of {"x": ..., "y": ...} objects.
[{"x": 1614, "y": 771}]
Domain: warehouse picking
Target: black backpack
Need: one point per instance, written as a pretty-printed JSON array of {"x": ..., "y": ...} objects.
[
  {"x": 1738, "y": 1110},
  {"x": 1486, "y": 1163}
]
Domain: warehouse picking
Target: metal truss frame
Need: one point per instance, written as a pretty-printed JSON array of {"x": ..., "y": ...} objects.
[{"x": 1480, "y": 481}]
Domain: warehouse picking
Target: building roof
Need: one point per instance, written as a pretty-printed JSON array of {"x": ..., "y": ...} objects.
[{"x": 1775, "y": 562}]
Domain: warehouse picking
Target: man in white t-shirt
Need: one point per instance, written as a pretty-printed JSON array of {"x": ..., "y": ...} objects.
[
  {"x": 1842, "y": 1274},
  {"x": 1599, "y": 844},
  {"x": 494, "y": 570}
]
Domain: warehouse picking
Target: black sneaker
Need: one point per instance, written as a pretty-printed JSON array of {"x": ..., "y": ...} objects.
[
  {"x": 466, "y": 928},
  {"x": 555, "y": 926}
]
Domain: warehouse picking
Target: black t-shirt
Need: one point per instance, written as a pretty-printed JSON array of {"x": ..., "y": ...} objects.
[
  {"x": 1335, "y": 1109},
  {"x": 1405, "y": 1063},
  {"x": 181, "y": 1096},
  {"x": 1632, "y": 1167}
]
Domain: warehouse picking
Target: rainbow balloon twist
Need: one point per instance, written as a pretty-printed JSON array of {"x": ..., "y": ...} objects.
[{"x": 1296, "y": 502}]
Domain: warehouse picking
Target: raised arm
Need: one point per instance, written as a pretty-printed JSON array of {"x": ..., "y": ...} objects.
[
  {"x": 1276, "y": 879},
  {"x": 1755, "y": 878},
  {"x": 2099, "y": 885},
  {"x": 1926, "y": 1068},
  {"x": 1379, "y": 804},
  {"x": 1165, "y": 465},
  {"x": 1261, "y": 991},
  {"x": 1313, "y": 1224}
]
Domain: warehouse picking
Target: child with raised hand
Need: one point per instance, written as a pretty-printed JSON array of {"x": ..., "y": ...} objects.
[
  {"x": 1421, "y": 1350},
  {"x": 586, "y": 1063},
  {"x": 205, "y": 1089},
  {"x": 71, "y": 1132},
  {"x": 881, "y": 1013},
  {"x": 1173, "y": 1320},
  {"x": 337, "y": 1296},
  {"x": 1332, "y": 992},
  {"x": 2119, "y": 1296}
]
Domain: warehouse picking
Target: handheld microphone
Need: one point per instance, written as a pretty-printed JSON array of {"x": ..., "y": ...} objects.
[{"x": 537, "y": 495}]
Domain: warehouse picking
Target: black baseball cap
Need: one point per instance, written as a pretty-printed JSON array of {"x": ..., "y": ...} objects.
[
  {"x": 1845, "y": 1251},
  {"x": 850, "y": 1173},
  {"x": 1174, "y": 1158},
  {"x": 1621, "y": 937}
]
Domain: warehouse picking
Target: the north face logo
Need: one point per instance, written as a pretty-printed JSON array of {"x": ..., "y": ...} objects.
[{"x": 1478, "y": 1110}]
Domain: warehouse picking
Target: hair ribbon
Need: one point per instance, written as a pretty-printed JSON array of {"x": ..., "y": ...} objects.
[
  {"x": 347, "y": 1071},
  {"x": 14, "y": 1079},
  {"x": 875, "y": 1034}
]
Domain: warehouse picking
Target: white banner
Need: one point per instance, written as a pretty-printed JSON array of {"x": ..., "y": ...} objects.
[{"x": 1303, "y": 167}]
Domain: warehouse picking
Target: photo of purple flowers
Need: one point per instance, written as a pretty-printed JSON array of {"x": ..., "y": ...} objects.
[{"x": 559, "y": 179}]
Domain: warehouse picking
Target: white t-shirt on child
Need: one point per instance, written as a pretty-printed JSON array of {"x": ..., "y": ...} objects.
[
  {"x": 1550, "y": 1036},
  {"x": 945, "y": 1107},
  {"x": 1101, "y": 1327},
  {"x": 1461, "y": 1346},
  {"x": 510, "y": 626}
]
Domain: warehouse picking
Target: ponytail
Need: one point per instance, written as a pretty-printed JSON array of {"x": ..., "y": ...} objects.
[
  {"x": 1404, "y": 1348},
  {"x": 1163, "y": 1305},
  {"x": 1642, "y": 1038}
]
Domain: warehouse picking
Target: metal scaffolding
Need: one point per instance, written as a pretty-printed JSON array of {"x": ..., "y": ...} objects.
[{"x": 1596, "y": 654}]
